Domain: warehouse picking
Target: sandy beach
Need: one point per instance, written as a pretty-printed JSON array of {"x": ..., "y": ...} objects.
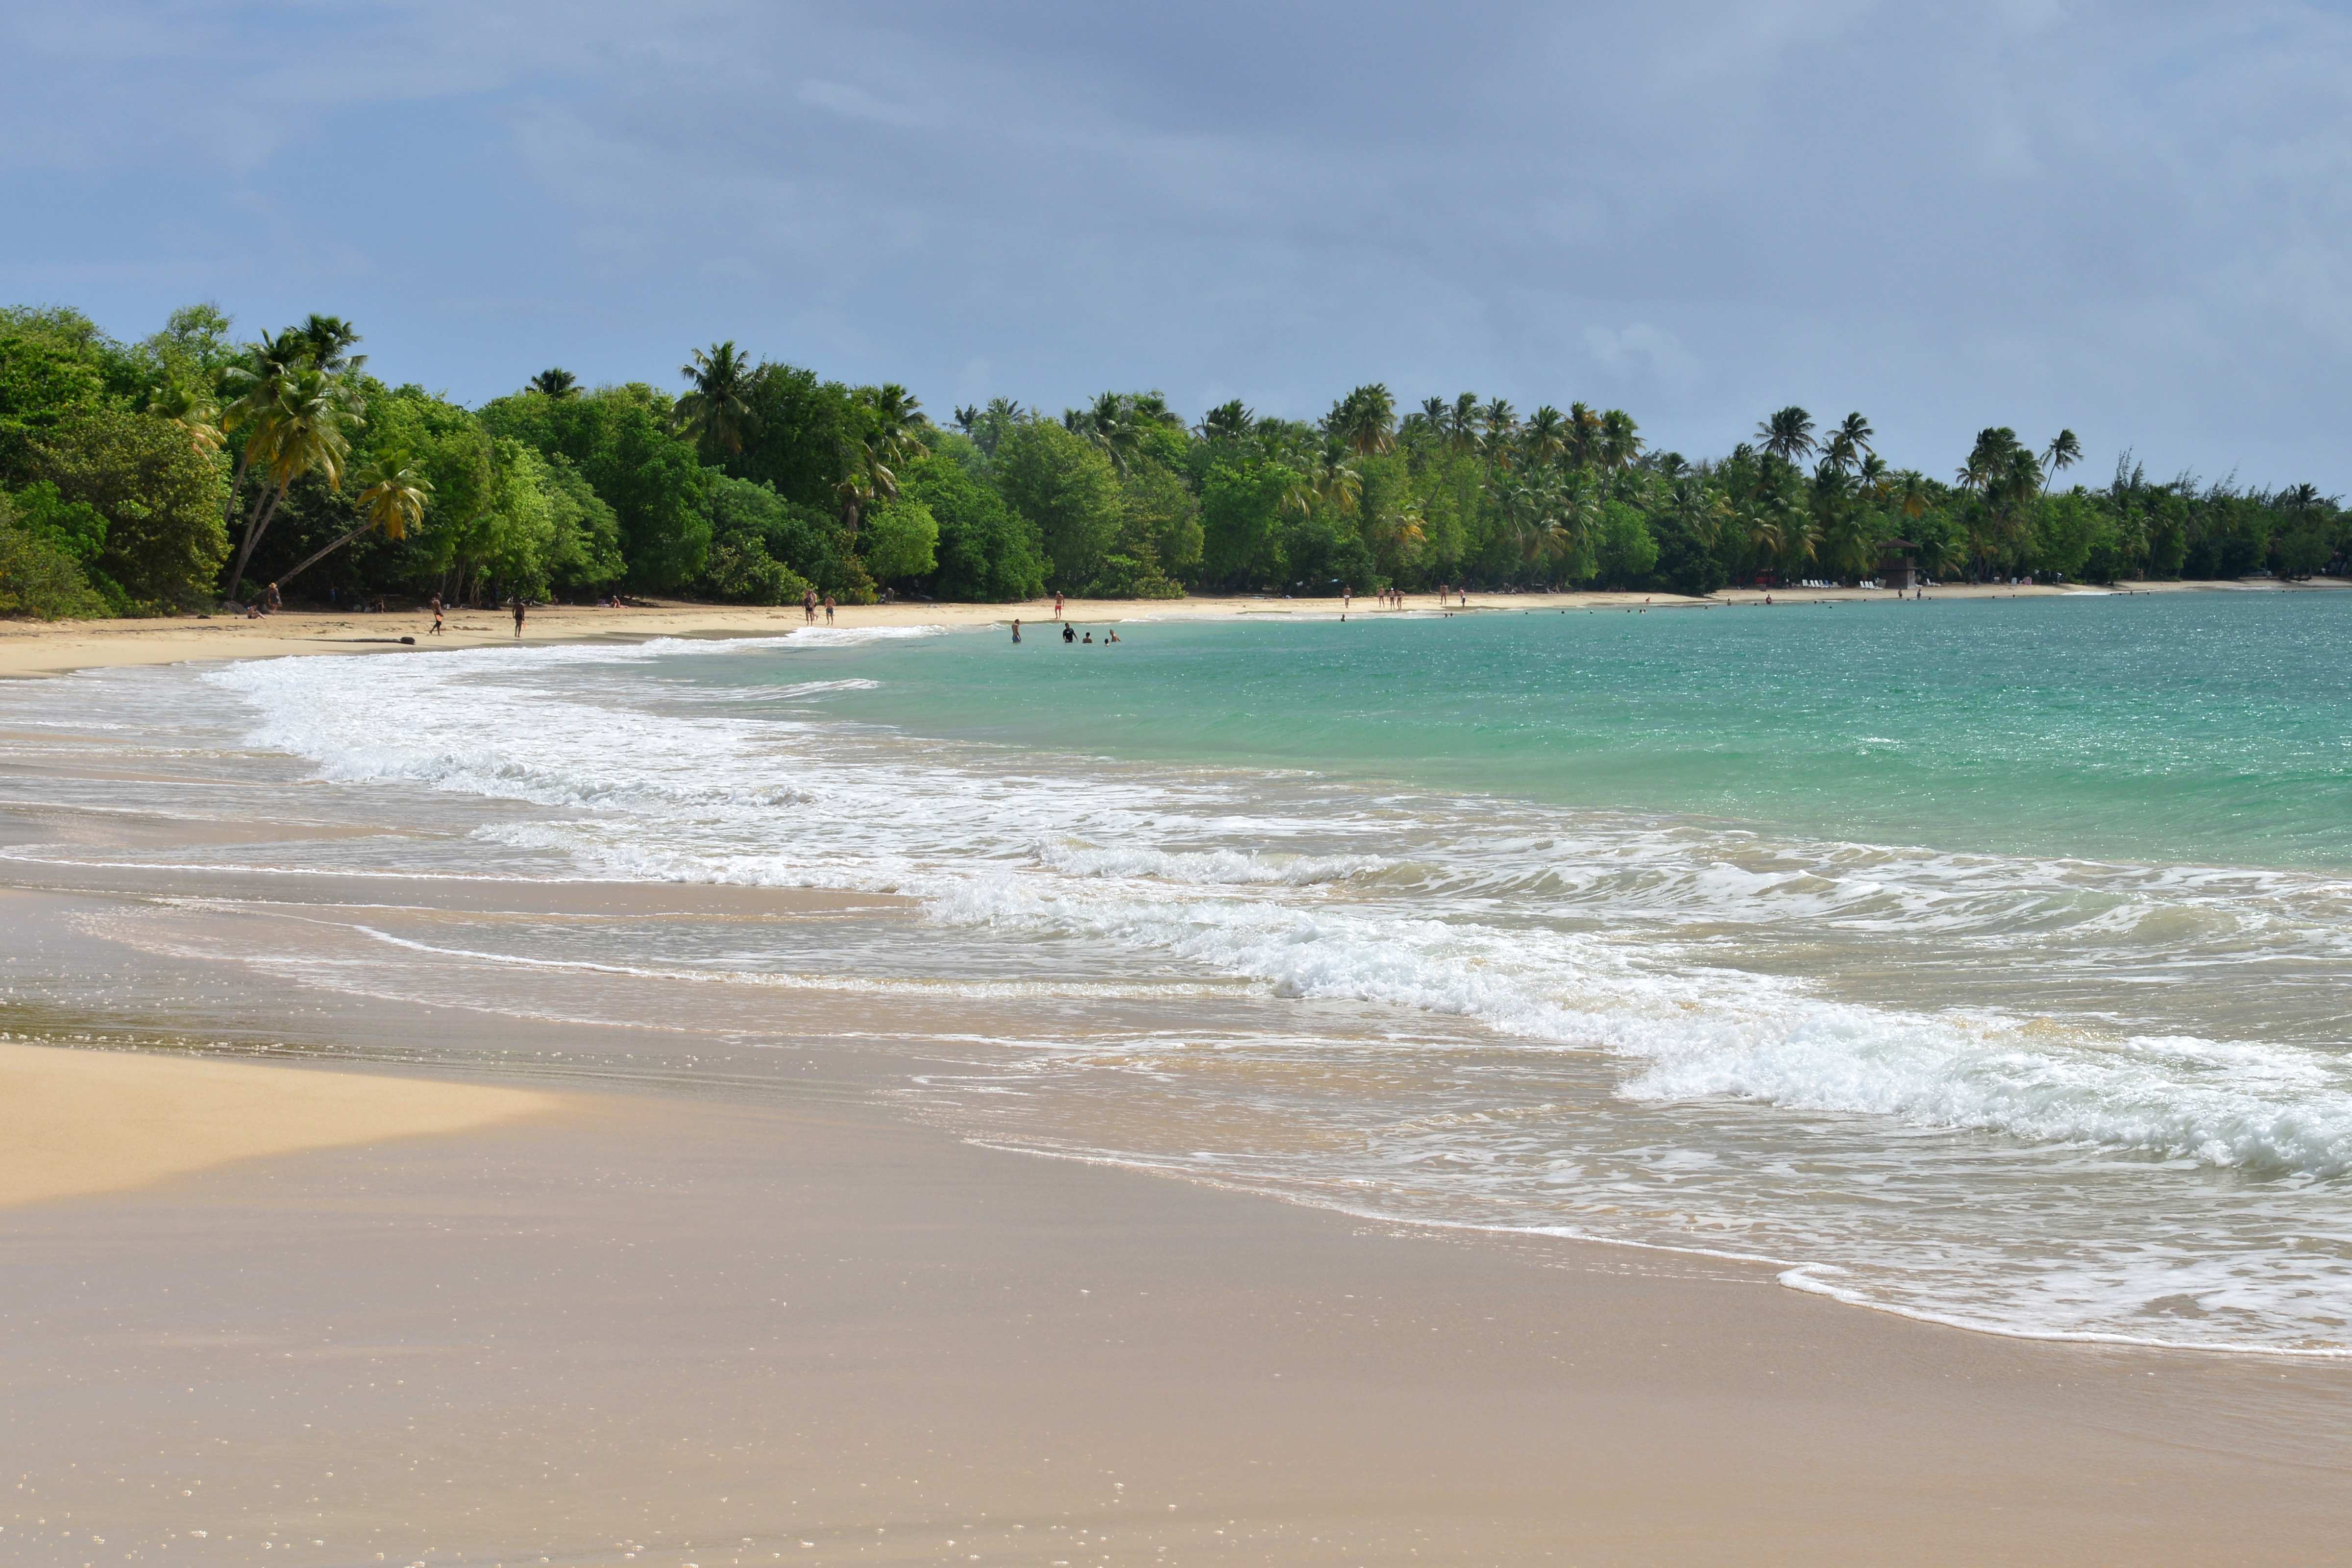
[
  {"x": 33, "y": 647},
  {"x": 323, "y": 1252},
  {"x": 674, "y": 1332}
]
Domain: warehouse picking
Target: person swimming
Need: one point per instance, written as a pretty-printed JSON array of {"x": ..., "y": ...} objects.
[
  {"x": 1087, "y": 639},
  {"x": 1069, "y": 632},
  {"x": 1112, "y": 636}
]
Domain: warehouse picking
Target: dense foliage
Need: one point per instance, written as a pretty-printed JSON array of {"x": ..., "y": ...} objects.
[{"x": 189, "y": 468}]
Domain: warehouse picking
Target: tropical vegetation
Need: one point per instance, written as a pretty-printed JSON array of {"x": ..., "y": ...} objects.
[{"x": 191, "y": 469}]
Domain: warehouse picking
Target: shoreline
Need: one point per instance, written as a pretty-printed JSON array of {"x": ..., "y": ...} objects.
[
  {"x": 56, "y": 648},
  {"x": 683, "y": 1329}
]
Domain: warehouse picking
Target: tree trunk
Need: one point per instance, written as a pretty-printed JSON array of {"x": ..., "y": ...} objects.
[
  {"x": 321, "y": 552},
  {"x": 252, "y": 532}
]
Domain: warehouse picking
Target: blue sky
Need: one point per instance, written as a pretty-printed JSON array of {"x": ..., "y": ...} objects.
[{"x": 2127, "y": 219}]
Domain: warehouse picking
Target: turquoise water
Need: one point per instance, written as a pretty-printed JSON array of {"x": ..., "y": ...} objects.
[{"x": 2209, "y": 728}]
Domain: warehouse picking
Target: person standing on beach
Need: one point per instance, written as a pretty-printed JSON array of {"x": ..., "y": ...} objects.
[
  {"x": 828, "y": 609},
  {"x": 1057, "y": 604},
  {"x": 518, "y": 610}
]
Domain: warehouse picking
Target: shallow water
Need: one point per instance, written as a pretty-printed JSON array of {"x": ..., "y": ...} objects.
[{"x": 1984, "y": 962}]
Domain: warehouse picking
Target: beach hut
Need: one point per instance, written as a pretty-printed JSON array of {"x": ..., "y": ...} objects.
[{"x": 1897, "y": 567}]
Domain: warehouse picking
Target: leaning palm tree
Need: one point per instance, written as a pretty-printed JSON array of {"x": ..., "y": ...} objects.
[
  {"x": 251, "y": 386},
  {"x": 391, "y": 497},
  {"x": 2066, "y": 450},
  {"x": 555, "y": 382},
  {"x": 306, "y": 431},
  {"x": 716, "y": 411},
  {"x": 1787, "y": 434}
]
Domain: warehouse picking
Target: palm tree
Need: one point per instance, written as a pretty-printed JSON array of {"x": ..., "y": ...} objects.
[
  {"x": 1109, "y": 424},
  {"x": 391, "y": 497},
  {"x": 251, "y": 385},
  {"x": 1545, "y": 435},
  {"x": 1336, "y": 481},
  {"x": 1583, "y": 432},
  {"x": 1787, "y": 434},
  {"x": 330, "y": 339},
  {"x": 192, "y": 410},
  {"x": 1698, "y": 509},
  {"x": 717, "y": 409},
  {"x": 1228, "y": 421},
  {"x": 1438, "y": 416},
  {"x": 898, "y": 421},
  {"x": 1911, "y": 498},
  {"x": 1365, "y": 420},
  {"x": 2066, "y": 450},
  {"x": 1151, "y": 409},
  {"x": 1461, "y": 423},
  {"x": 1616, "y": 441},
  {"x": 556, "y": 383},
  {"x": 304, "y": 431},
  {"x": 1855, "y": 433},
  {"x": 1987, "y": 459}
]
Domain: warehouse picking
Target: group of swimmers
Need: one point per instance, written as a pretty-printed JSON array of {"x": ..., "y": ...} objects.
[{"x": 1070, "y": 632}]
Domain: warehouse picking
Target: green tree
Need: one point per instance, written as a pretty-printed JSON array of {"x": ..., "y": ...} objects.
[
  {"x": 38, "y": 578},
  {"x": 987, "y": 552},
  {"x": 620, "y": 440},
  {"x": 304, "y": 430},
  {"x": 1069, "y": 492},
  {"x": 164, "y": 542},
  {"x": 1787, "y": 434},
  {"x": 391, "y": 501},
  {"x": 1241, "y": 509},
  {"x": 716, "y": 413},
  {"x": 902, "y": 540}
]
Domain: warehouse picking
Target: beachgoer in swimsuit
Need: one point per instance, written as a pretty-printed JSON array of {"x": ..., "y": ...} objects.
[
  {"x": 1069, "y": 632},
  {"x": 1016, "y": 629},
  {"x": 828, "y": 609},
  {"x": 518, "y": 610},
  {"x": 1057, "y": 605}
]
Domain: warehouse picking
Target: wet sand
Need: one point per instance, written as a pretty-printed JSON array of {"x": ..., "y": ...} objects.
[{"x": 674, "y": 1331}]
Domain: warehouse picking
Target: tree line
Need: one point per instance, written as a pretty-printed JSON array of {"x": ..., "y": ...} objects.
[{"x": 189, "y": 469}]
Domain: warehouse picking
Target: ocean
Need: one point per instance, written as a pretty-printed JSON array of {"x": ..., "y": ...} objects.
[{"x": 1984, "y": 962}]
